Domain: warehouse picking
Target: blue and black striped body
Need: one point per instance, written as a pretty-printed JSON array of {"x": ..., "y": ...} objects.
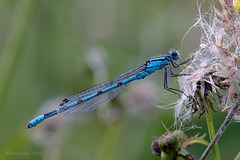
[{"x": 95, "y": 97}]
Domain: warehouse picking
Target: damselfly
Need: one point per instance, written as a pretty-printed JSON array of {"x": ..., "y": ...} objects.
[{"x": 97, "y": 96}]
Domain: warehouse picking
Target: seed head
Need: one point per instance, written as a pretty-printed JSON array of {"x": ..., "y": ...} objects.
[{"x": 214, "y": 71}]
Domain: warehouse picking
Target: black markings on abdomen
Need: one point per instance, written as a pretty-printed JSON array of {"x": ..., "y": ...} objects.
[
  {"x": 98, "y": 93},
  {"x": 79, "y": 101},
  {"x": 119, "y": 84}
]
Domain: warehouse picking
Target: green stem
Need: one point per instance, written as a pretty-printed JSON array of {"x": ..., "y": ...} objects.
[
  {"x": 221, "y": 130},
  {"x": 110, "y": 140},
  {"x": 211, "y": 130},
  {"x": 10, "y": 53},
  {"x": 167, "y": 156}
]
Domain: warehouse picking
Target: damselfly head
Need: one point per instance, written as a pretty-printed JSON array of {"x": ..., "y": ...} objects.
[{"x": 174, "y": 55}]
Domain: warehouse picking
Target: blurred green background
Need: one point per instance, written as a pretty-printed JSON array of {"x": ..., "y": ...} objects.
[{"x": 53, "y": 49}]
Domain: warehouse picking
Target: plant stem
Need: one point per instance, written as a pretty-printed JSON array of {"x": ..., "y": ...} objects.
[
  {"x": 10, "y": 53},
  {"x": 221, "y": 129},
  {"x": 237, "y": 157},
  {"x": 110, "y": 139},
  {"x": 211, "y": 130}
]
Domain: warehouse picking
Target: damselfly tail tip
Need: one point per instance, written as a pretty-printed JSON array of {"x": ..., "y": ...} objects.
[
  {"x": 29, "y": 125},
  {"x": 36, "y": 120}
]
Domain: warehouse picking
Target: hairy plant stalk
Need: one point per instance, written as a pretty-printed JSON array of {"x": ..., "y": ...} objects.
[
  {"x": 237, "y": 157},
  {"x": 221, "y": 130}
]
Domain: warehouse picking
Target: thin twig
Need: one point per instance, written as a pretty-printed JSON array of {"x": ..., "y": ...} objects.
[{"x": 221, "y": 129}]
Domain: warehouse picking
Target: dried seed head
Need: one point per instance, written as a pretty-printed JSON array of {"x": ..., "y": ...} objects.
[{"x": 214, "y": 70}]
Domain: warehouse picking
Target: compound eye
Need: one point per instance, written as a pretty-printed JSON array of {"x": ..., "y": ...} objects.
[
  {"x": 172, "y": 53},
  {"x": 175, "y": 53}
]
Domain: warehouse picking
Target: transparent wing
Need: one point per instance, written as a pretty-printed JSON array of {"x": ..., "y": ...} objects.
[
  {"x": 91, "y": 104},
  {"x": 99, "y": 100}
]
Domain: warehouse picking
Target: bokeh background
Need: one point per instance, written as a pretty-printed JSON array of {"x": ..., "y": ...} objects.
[{"x": 52, "y": 49}]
